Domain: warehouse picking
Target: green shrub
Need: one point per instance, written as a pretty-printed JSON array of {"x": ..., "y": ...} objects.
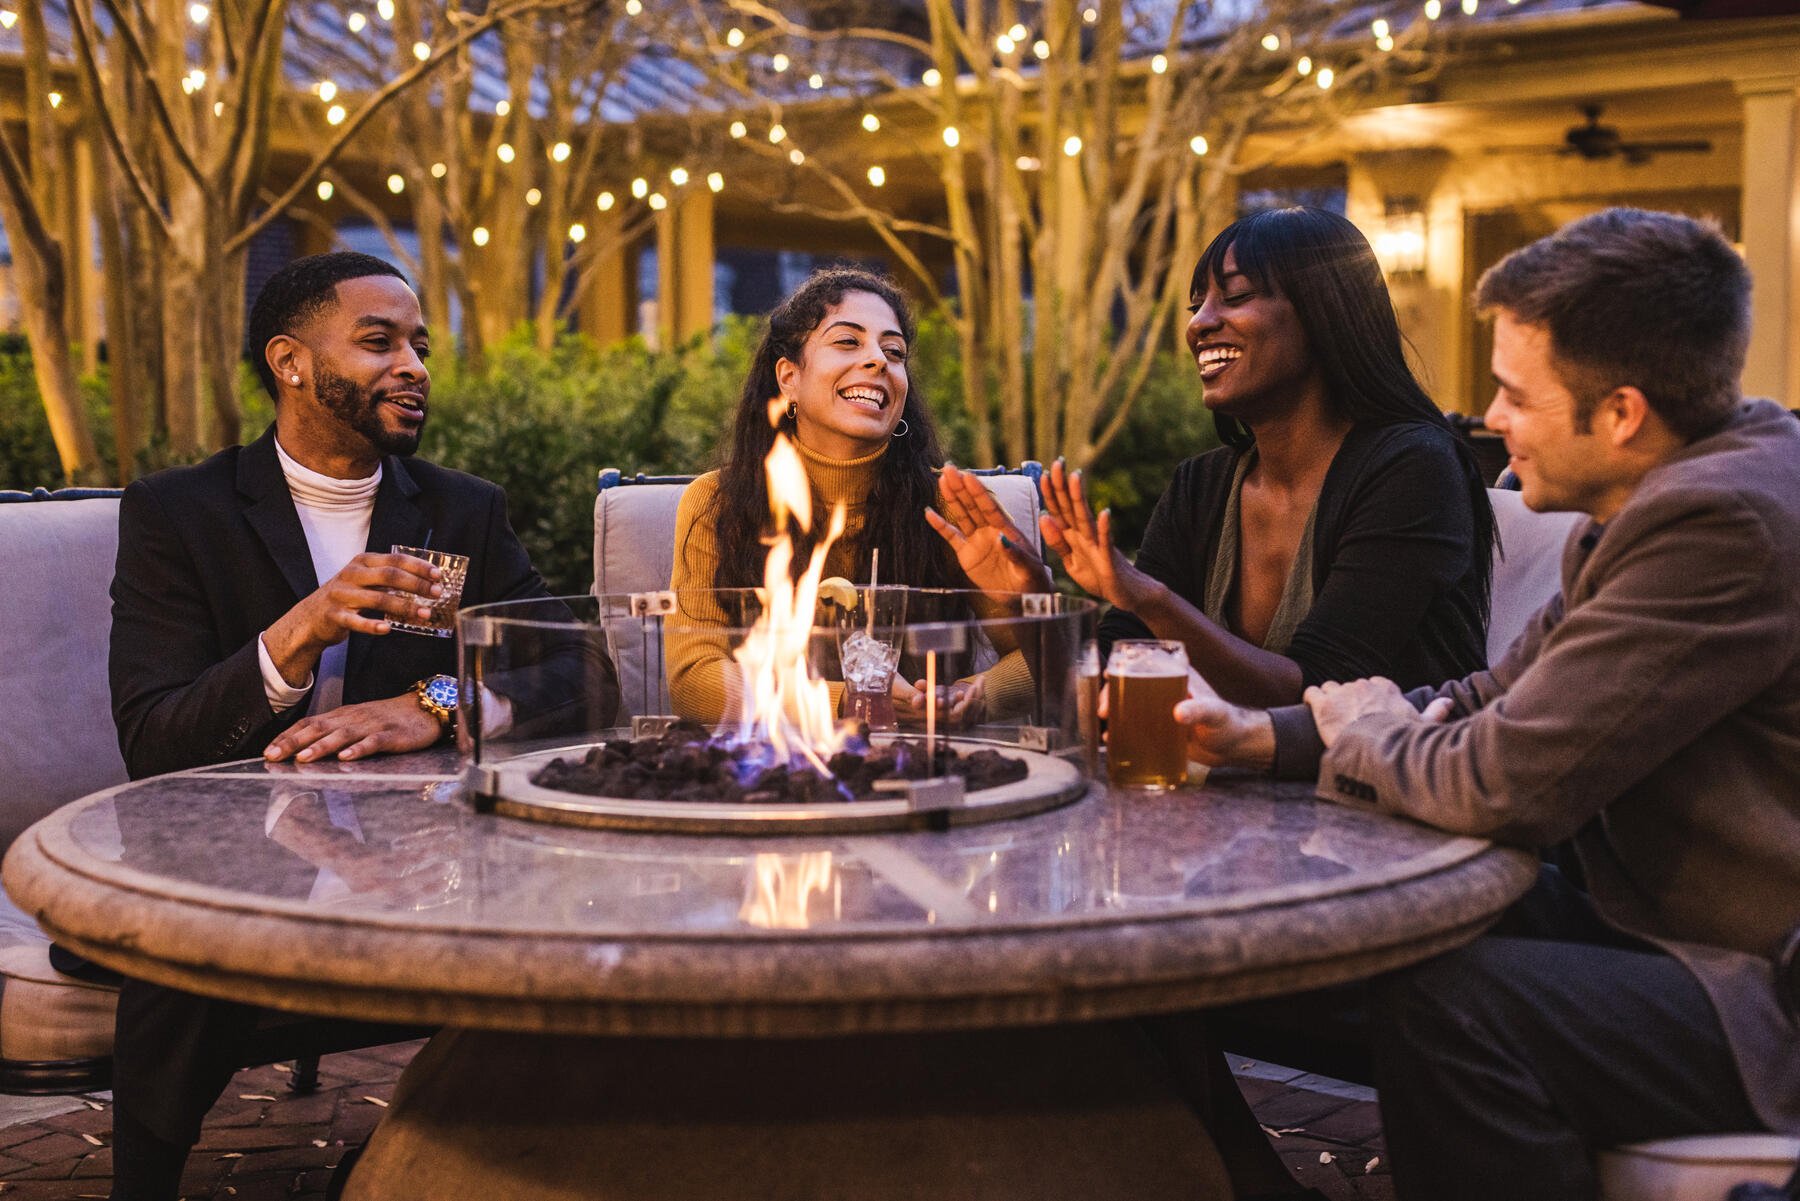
[{"x": 542, "y": 426}]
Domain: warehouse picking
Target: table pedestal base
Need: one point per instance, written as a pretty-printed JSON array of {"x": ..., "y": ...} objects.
[{"x": 1084, "y": 1113}]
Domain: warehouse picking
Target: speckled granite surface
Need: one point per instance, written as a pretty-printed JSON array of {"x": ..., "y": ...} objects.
[{"x": 378, "y": 892}]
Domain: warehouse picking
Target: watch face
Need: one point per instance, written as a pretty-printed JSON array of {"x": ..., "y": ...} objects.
[{"x": 441, "y": 690}]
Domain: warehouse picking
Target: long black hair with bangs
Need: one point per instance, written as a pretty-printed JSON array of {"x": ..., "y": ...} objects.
[
  {"x": 1322, "y": 265},
  {"x": 911, "y": 551}
]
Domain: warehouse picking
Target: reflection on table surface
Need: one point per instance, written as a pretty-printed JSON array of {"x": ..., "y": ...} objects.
[{"x": 384, "y": 840}]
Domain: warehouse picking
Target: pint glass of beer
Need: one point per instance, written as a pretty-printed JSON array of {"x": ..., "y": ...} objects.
[{"x": 1145, "y": 745}]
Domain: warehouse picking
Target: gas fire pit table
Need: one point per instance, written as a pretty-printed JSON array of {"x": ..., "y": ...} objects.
[{"x": 921, "y": 1013}]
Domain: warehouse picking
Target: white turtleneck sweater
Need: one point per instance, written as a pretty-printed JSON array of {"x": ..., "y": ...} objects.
[{"x": 335, "y": 515}]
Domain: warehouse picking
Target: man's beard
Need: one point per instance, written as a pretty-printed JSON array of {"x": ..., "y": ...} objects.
[{"x": 360, "y": 409}]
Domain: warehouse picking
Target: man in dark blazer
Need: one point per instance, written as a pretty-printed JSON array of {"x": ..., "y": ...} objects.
[
  {"x": 1649, "y": 714},
  {"x": 253, "y": 611}
]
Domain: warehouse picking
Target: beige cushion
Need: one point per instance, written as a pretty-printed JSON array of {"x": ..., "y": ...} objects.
[
  {"x": 1527, "y": 565},
  {"x": 58, "y": 741},
  {"x": 634, "y": 551},
  {"x": 45, "y": 1015},
  {"x": 1700, "y": 1168}
]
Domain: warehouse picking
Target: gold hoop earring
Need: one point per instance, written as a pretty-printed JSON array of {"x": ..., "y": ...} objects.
[{"x": 793, "y": 410}]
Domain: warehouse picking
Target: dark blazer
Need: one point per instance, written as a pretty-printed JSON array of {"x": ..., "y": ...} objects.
[
  {"x": 211, "y": 555},
  {"x": 1396, "y": 592},
  {"x": 1652, "y": 713}
]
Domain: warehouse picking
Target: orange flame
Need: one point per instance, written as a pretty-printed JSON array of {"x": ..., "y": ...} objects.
[
  {"x": 784, "y": 705},
  {"x": 778, "y": 893}
]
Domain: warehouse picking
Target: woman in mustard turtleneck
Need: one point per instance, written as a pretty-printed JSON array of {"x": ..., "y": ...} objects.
[{"x": 833, "y": 362}]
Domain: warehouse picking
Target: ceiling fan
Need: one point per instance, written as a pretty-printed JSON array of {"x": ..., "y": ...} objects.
[{"x": 1596, "y": 142}]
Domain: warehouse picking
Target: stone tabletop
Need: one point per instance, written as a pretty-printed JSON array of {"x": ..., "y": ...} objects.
[{"x": 378, "y": 892}]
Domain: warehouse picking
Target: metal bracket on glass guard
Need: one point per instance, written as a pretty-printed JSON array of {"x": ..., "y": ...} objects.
[
  {"x": 652, "y": 604},
  {"x": 945, "y": 639},
  {"x": 480, "y": 631},
  {"x": 650, "y": 725},
  {"x": 943, "y": 792},
  {"x": 482, "y": 784},
  {"x": 1038, "y": 604},
  {"x": 1040, "y": 738}
]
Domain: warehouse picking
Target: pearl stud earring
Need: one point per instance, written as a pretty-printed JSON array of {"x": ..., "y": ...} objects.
[{"x": 294, "y": 379}]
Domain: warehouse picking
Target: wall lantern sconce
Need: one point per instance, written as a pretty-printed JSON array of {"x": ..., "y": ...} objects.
[{"x": 1400, "y": 242}]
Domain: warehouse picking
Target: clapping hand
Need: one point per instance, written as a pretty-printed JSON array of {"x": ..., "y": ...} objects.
[
  {"x": 989, "y": 548},
  {"x": 1085, "y": 542}
]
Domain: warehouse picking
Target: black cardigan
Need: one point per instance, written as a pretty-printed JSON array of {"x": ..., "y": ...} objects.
[{"x": 1395, "y": 590}]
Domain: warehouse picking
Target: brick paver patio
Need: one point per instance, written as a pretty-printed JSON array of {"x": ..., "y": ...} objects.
[{"x": 262, "y": 1143}]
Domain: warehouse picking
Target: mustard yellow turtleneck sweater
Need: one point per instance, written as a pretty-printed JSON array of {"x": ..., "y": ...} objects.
[{"x": 702, "y": 682}]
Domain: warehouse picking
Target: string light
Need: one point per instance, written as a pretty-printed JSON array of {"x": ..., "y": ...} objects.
[
  {"x": 1072, "y": 145},
  {"x": 396, "y": 183},
  {"x": 1304, "y": 66},
  {"x": 739, "y": 129},
  {"x": 679, "y": 177},
  {"x": 505, "y": 153},
  {"x": 715, "y": 181},
  {"x": 877, "y": 176},
  {"x": 502, "y": 107},
  {"x": 815, "y": 81},
  {"x": 633, "y": 8},
  {"x": 1160, "y": 64},
  {"x": 577, "y": 232},
  {"x": 421, "y": 51},
  {"x": 479, "y": 235},
  {"x": 1198, "y": 144},
  {"x": 197, "y": 13},
  {"x": 385, "y": 9},
  {"x": 1326, "y": 75},
  {"x": 1385, "y": 44},
  {"x": 776, "y": 134},
  {"x": 1027, "y": 163},
  {"x": 932, "y": 77},
  {"x": 1041, "y": 48},
  {"x": 1433, "y": 9},
  {"x": 533, "y": 197},
  {"x": 658, "y": 201},
  {"x": 55, "y": 99},
  {"x": 439, "y": 170},
  {"x": 952, "y": 136},
  {"x": 357, "y": 22},
  {"x": 1271, "y": 41},
  {"x": 325, "y": 189},
  {"x": 871, "y": 122},
  {"x": 734, "y": 37},
  {"x": 1004, "y": 44},
  {"x": 779, "y": 62},
  {"x": 1379, "y": 28},
  {"x": 640, "y": 187},
  {"x": 1469, "y": 6},
  {"x": 327, "y": 91},
  {"x": 559, "y": 153},
  {"x": 796, "y": 157},
  {"x": 218, "y": 108},
  {"x": 8, "y": 18},
  {"x": 604, "y": 202},
  {"x": 1090, "y": 15},
  {"x": 335, "y": 114}
]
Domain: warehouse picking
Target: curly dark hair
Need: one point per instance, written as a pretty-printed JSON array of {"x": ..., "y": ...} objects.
[
  {"x": 299, "y": 292},
  {"x": 911, "y": 552}
]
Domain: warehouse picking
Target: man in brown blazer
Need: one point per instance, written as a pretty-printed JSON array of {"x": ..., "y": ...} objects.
[{"x": 1650, "y": 714}]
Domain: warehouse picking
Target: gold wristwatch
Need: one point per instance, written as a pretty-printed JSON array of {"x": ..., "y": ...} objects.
[{"x": 438, "y": 697}]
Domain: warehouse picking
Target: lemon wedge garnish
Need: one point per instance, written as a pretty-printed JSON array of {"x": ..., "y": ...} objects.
[{"x": 838, "y": 591}]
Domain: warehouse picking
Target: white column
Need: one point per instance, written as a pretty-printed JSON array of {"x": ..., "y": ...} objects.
[{"x": 1771, "y": 234}]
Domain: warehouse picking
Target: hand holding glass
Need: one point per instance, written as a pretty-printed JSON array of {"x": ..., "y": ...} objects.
[{"x": 455, "y": 568}]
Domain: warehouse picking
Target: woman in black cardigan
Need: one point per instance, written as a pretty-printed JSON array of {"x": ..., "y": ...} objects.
[{"x": 1342, "y": 531}]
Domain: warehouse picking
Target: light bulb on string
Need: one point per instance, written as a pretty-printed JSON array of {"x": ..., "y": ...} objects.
[
  {"x": 1326, "y": 76},
  {"x": 679, "y": 176},
  {"x": 1271, "y": 41},
  {"x": 479, "y": 235},
  {"x": 324, "y": 189},
  {"x": 1072, "y": 145},
  {"x": 1384, "y": 44},
  {"x": 715, "y": 181},
  {"x": 502, "y": 107},
  {"x": 658, "y": 201},
  {"x": 604, "y": 202},
  {"x": 8, "y": 18},
  {"x": 1198, "y": 144},
  {"x": 779, "y": 62},
  {"x": 776, "y": 133},
  {"x": 739, "y": 129},
  {"x": 877, "y": 176},
  {"x": 559, "y": 153},
  {"x": 1004, "y": 44},
  {"x": 396, "y": 183},
  {"x": 335, "y": 114},
  {"x": 327, "y": 91},
  {"x": 197, "y": 13},
  {"x": 1469, "y": 6},
  {"x": 1041, "y": 48},
  {"x": 815, "y": 81},
  {"x": 796, "y": 156},
  {"x": 952, "y": 136},
  {"x": 1433, "y": 9},
  {"x": 55, "y": 99},
  {"x": 1379, "y": 28},
  {"x": 1160, "y": 64},
  {"x": 1026, "y": 162},
  {"x": 421, "y": 51},
  {"x": 633, "y": 8},
  {"x": 533, "y": 197},
  {"x": 734, "y": 37},
  {"x": 577, "y": 232},
  {"x": 384, "y": 9},
  {"x": 932, "y": 77},
  {"x": 439, "y": 170},
  {"x": 640, "y": 187},
  {"x": 1304, "y": 66},
  {"x": 356, "y": 22},
  {"x": 871, "y": 122},
  {"x": 218, "y": 108},
  {"x": 1090, "y": 15},
  {"x": 1018, "y": 33},
  {"x": 505, "y": 153}
]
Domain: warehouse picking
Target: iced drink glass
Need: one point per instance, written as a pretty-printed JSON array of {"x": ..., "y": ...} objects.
[{"x": 442, "y": 622}]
